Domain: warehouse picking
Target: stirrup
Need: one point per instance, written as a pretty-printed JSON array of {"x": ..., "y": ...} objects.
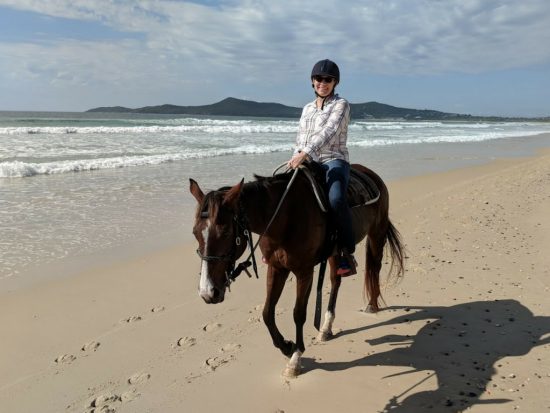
[{"x": 346, "y": 265}]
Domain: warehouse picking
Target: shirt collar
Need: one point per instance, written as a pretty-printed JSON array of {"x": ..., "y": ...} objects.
[{"x": 328, "y": 100}]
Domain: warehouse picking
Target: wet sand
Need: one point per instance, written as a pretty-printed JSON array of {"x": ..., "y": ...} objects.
[{"x": 467, "y": 328}]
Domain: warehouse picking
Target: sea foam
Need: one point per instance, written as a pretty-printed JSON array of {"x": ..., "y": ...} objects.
[
  {"x": 30, "y": 147},
  {"x": 211, "y": 128},
  {"x": 19, "y": 169}
]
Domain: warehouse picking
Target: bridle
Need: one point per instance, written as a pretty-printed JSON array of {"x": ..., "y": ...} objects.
[{"x": 240, "y": 226}]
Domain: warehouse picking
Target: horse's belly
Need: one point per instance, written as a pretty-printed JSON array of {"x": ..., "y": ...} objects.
[{"x": 361, "y": 222}]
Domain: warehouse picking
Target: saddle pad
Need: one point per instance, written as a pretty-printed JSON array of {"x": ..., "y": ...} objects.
[{"x": 361, "y": 189}]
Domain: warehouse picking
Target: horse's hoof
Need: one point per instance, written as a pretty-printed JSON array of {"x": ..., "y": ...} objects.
[
  {"x": 324, "y": 336},
  {"x": 291, "y": 372},
  {"x": 294, "y": 365},
  {"x": 370, "y": 309}
]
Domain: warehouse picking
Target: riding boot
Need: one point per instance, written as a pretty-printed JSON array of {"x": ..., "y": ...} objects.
[{"x": 347, "y": 265}]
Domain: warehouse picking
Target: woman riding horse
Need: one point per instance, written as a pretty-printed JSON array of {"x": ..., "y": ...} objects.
[
  {"x": 322, "y": 137},
  {"x": 275, "y": 207}
]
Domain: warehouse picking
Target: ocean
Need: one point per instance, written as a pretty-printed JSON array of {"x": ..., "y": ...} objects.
[{"x": 77, "y": 187}]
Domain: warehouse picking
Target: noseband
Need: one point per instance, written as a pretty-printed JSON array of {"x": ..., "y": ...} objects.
[{"x": 240, "y": 225}]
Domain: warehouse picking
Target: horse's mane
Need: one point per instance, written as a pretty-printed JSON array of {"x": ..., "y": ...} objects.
[
  {"x": 284, "y": 177},
  {"x": 271, "y": 180},
  {"x": 260, "y": 184}
]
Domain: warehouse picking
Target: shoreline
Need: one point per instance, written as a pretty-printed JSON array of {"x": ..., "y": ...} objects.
[
  {"x": 434, "y": 159},
  {"x": 135, "y": 333}
]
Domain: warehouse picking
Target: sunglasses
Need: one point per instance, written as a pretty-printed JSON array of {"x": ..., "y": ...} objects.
[{"x": 323, "y": 79}]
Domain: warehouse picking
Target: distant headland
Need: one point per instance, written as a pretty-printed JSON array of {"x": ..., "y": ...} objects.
[{"x": 238, "y": 107}]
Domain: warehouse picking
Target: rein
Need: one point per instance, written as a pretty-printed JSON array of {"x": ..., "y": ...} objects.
[
  {"x": 246, "y": 263},
  {"x": 241, "y": 222}
]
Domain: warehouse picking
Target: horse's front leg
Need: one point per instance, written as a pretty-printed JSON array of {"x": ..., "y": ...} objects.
[
  {"x": 303, "y": 290},
  {"x": 276, "y": 278}
]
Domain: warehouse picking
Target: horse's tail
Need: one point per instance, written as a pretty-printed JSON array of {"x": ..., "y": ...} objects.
[
  {"x": 397, "y": 251},
  {"x": 375, "y": 252}
]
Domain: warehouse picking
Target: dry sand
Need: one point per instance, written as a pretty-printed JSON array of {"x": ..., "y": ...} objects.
[{"x": 467, "y": 329}]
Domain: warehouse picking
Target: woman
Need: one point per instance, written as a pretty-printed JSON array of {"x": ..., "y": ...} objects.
[{"x": 322, "y": 138}]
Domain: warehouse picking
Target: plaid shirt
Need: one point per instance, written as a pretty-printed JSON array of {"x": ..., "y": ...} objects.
[{"x": 323, "y": 132}]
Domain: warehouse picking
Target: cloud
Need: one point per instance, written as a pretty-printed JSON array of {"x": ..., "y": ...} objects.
[
  {"x": 251, "y": 40},
  {"x": 396, "y": 36}
]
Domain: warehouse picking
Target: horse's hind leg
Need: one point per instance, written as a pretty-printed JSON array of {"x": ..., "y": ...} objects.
[
  {"x": 276, "y": 279},
  {"x": 326, "y": 329},
  {"x": 375, "y": 254}
]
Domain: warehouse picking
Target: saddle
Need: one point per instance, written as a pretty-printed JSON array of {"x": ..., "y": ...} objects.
[{"x": 362, "y": 190}]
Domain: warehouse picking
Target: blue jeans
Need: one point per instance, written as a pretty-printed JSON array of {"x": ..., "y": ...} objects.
[{"x": 337, "y": 180}]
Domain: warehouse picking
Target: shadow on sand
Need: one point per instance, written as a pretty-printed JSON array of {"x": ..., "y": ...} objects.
[{"x": 461, "y": 345}]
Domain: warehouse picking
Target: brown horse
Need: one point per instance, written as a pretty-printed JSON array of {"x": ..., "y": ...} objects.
[{"x": 293, "y": 241}]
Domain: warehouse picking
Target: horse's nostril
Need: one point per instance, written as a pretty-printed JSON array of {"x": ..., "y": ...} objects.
[{"x": 212, "y": 296}]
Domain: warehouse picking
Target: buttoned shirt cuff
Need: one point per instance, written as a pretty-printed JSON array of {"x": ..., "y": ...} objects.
[{"x": 311, "y": 153}]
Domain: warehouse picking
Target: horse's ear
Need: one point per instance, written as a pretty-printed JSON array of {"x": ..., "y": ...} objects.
[
  {"x": 195, "y": 190},
  {"x": 231, "y": 198}
]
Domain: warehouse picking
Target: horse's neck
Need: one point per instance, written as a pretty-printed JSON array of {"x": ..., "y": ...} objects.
[{"x": 259, "y": 205}]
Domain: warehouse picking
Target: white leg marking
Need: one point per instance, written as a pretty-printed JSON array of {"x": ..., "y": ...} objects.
[
  {"x": 294, "y": 365},
  {"x": 327, "y": 325},
  {"x": 295, "y": 359},
  {"x": 326, "y": 329}
]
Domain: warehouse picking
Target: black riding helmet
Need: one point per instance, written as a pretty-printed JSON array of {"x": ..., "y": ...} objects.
[{"x": 326, "y": 68}]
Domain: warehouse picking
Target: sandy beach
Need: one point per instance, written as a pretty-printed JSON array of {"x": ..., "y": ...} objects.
[{"x": 468, "y": 328}]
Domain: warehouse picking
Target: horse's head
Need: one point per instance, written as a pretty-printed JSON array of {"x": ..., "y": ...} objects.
[{"x": 219, "y": 232}]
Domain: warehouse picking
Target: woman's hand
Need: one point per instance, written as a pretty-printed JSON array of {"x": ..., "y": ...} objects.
[{"x": 298, "y": 159}]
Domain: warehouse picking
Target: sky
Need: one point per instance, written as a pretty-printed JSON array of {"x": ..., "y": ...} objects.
[{"x": 479, "y": 57}]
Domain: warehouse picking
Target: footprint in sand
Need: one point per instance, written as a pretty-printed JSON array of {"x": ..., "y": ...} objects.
[
  {"x": 65, "y": 359},
  {"x": 104, "y": 401},
  {"x": 104, "y": 409},
  {"x": 186, "y": 342},
  {"x": 132, "y": 319},
  {"x": 214, "y": 362},
  {"x": 129, "y": 395},
  {"x": 230, "y": 348},
  {"x": 211, "y": 327},
  {"x": 91, "y": 346},
  {"x": 139, "y": 378}
]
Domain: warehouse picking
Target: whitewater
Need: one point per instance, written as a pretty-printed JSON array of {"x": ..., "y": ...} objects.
[
  {"x": 78, "y": 187},
  {"x": 31, "y": 145}
]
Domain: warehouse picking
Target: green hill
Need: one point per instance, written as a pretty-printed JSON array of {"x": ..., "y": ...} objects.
[
  {"x": 226, "y": 107},
  {"x": 238, "y": 107}
]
